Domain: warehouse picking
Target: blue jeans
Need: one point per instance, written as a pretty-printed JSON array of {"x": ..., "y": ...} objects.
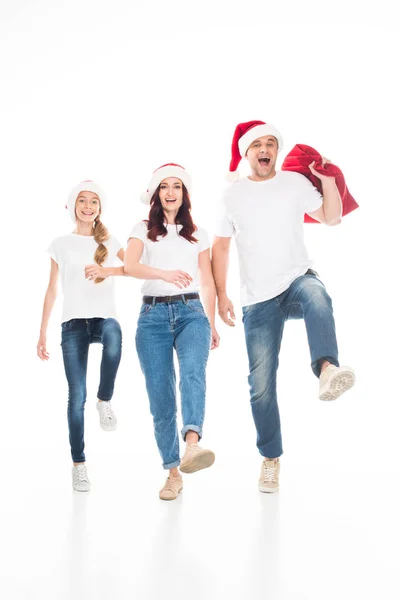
[
  {"x": 161, "y": 328},
  {"x": 76, "y": 336},
  {"x": 307, "y": 299}
]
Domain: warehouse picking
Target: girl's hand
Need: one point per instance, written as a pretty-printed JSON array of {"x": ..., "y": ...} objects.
[
  {"x": 92, "y": 272},
  {"x": 214, "y": 338},
  {"x": 179, "y": 278},
  {"x": 41, "y": 348}
]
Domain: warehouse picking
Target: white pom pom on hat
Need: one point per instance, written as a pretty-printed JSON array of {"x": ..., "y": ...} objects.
[
  {"x": 244, "y": 135},
  {"x": 84, "y": 186},
  {"x": 163, "y": 172}
]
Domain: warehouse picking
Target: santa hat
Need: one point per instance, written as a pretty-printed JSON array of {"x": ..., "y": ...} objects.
[
  {"x": 244, "y": 136},
  {"x": 84, "y": 186},
  {"x": 163, "y": 172}
]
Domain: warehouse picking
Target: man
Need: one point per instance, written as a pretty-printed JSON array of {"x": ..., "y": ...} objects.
[{"x": 265, "y": 213}]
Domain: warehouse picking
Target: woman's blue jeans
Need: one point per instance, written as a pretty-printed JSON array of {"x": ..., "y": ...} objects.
[{"x": 163, "y": 327}]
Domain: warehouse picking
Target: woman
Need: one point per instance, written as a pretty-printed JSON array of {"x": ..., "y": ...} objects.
[
  {"x": 172, "y": 317},
  {"x": 84, "y": 260}
]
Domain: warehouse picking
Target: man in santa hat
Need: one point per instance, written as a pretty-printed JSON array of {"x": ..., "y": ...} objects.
[{"x": 265, "y": 214}]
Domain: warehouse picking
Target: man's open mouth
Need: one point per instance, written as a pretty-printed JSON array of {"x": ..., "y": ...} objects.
[{"x": 264, "y": 161}]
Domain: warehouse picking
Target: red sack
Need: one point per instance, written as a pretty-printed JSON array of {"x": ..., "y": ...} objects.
[{"x": 298, "y": 160}]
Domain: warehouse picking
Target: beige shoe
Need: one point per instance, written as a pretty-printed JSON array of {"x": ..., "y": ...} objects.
[
  {"x": 334, "y": 381},
  {"x": 269, "y": 476},
  {"x": 172, "y": 488},
  {"x": 196, "y": 458}
]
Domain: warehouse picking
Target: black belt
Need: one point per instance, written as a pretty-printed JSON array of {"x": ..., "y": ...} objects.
[{"x": 178, "y": 298}]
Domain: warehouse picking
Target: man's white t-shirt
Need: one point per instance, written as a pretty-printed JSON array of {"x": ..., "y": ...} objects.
[
  {"x": 266, "y": 219},
  {"x": 84, "y": 299},
  {"x": 170, "y": 252}
]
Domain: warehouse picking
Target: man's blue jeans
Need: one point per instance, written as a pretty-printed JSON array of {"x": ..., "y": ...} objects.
[
  {"x": 163, "y": 327},
  {"x": 263, "y": 324},
  {"x": 76, "y": 336}
]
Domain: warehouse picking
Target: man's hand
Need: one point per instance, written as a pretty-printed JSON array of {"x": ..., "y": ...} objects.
[
  {"x": 325, "y": 161},
  {"x": 225, "y": 308}
]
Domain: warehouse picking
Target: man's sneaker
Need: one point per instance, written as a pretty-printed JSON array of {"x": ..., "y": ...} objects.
[
  {"x": 269, "y": 476},
  {"x": 172, "y": 488},
  {"x": 108, "y": 420},
  {"x": 334, "y": 381},
  {"x": 80, "y": 479},
  {"x": 196, "y": 458}
]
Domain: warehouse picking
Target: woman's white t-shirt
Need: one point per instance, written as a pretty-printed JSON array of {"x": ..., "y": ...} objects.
[
  {"x": 84, "y": 299},
  {"x": 170, "y": 252}
]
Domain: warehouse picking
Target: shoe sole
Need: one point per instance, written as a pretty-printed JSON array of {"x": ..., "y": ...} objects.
[
  {"x": 168, "y": 499},
  {"x": 113, "y": 428},
  {"x": 76, "y": 490},
  {"x": 337, "y": 385},
  {"x": 268, "y": 491},
  {"x": 198, "y": 462}
]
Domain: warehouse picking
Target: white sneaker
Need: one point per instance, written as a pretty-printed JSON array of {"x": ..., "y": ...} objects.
[
  {"x": 334, "y": 381},
  {"x": 108, "y": 420},
  {"x": 80, "y": 479}
]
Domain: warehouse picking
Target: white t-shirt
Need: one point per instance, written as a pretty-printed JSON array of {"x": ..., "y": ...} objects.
[
  {"x": 84, "y": 299},
  {"x": 170, "y": 253},
  {"x": 266, "y": 218}
]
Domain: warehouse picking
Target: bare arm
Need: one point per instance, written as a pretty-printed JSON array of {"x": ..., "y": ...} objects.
[
  {"x": 220, "y": 263},
  {"x": 134, "y": 268},
  {"x": 208, "y": 293},
  {"x": 330, "y": 213},
  {"x": 94, "y": 271},
  {"x": 49, "y": 299}
]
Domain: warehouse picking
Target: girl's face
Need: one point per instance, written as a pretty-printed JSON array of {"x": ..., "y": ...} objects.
[
  {"x": 171, "y": 194},
  {"x": 87, "y": 207}
]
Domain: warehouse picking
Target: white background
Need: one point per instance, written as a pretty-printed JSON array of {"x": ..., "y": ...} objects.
[{"x": 110, "y": 91}]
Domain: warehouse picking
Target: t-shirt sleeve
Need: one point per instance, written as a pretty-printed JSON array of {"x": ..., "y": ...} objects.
[
  {"x": 114, "y": 246},
  {"x": 223, "y": 225},
  {"x": 313, "y": 198},
  {"x": 52, "y": 250},
  {"x": 202, "y": 236},
  {"x": 139, "y": 232}
]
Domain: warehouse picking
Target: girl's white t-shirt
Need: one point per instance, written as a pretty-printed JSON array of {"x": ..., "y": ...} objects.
[
  {"x": 84, "y": 299},
  {"x": 170, "y": 252}
]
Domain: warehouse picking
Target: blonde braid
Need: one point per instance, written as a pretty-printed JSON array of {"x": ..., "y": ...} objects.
[{"x": 100, "y": 235}]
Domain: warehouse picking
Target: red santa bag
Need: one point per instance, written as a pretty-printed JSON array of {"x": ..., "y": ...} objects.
[{"x": 298, "y": 160}]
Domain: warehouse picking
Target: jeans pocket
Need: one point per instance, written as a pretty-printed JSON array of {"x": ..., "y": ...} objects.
[
  {"x": 67, "y": 325},
  {"x": 145, "y": 309},
  {"x": 195, "y": 306}
]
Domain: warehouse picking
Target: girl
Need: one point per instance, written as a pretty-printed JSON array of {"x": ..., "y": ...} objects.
[
  {"x": 172, "y": 317},
  {"x": 84, "y": 260}
]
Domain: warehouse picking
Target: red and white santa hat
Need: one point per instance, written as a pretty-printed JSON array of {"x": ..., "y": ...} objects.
[
  {"x": 163, "y": 172},
  {"x": 244, "y": 136},
  {"x": 84, "y": 186}
]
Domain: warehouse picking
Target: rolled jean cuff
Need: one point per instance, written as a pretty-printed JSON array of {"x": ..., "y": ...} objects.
[
  {"x": 172, "y": 465},
  {"x": 316, "y": 365},
  {"x": 195, "y": 428}
]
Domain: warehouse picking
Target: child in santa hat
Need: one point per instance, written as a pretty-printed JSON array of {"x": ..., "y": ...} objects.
[
  {"x": 172, "y": 255},
  {"x": 84, "y": 259}
]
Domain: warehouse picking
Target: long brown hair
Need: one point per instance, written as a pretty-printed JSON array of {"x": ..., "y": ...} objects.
[
  {"x": 100, "y": 235},
  {"x": 155, "y": 222}
]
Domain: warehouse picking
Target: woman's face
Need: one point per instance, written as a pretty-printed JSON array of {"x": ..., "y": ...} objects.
[
  {"x": 87, "y": 207},
  {"x": 171, "y": 194}
]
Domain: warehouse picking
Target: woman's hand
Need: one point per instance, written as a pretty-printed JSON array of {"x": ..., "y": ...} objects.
[
  {"x": 214, "y": 338},
  {"x": 179, "y": 278},
  {"x": 92, "y": 272},
  {"x": 41, "y": 348}
]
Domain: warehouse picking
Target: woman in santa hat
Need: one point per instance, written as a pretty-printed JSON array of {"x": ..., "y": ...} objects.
[
  {"x": 84, "y": 259},
  {"x": 172, "y": 255}
]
